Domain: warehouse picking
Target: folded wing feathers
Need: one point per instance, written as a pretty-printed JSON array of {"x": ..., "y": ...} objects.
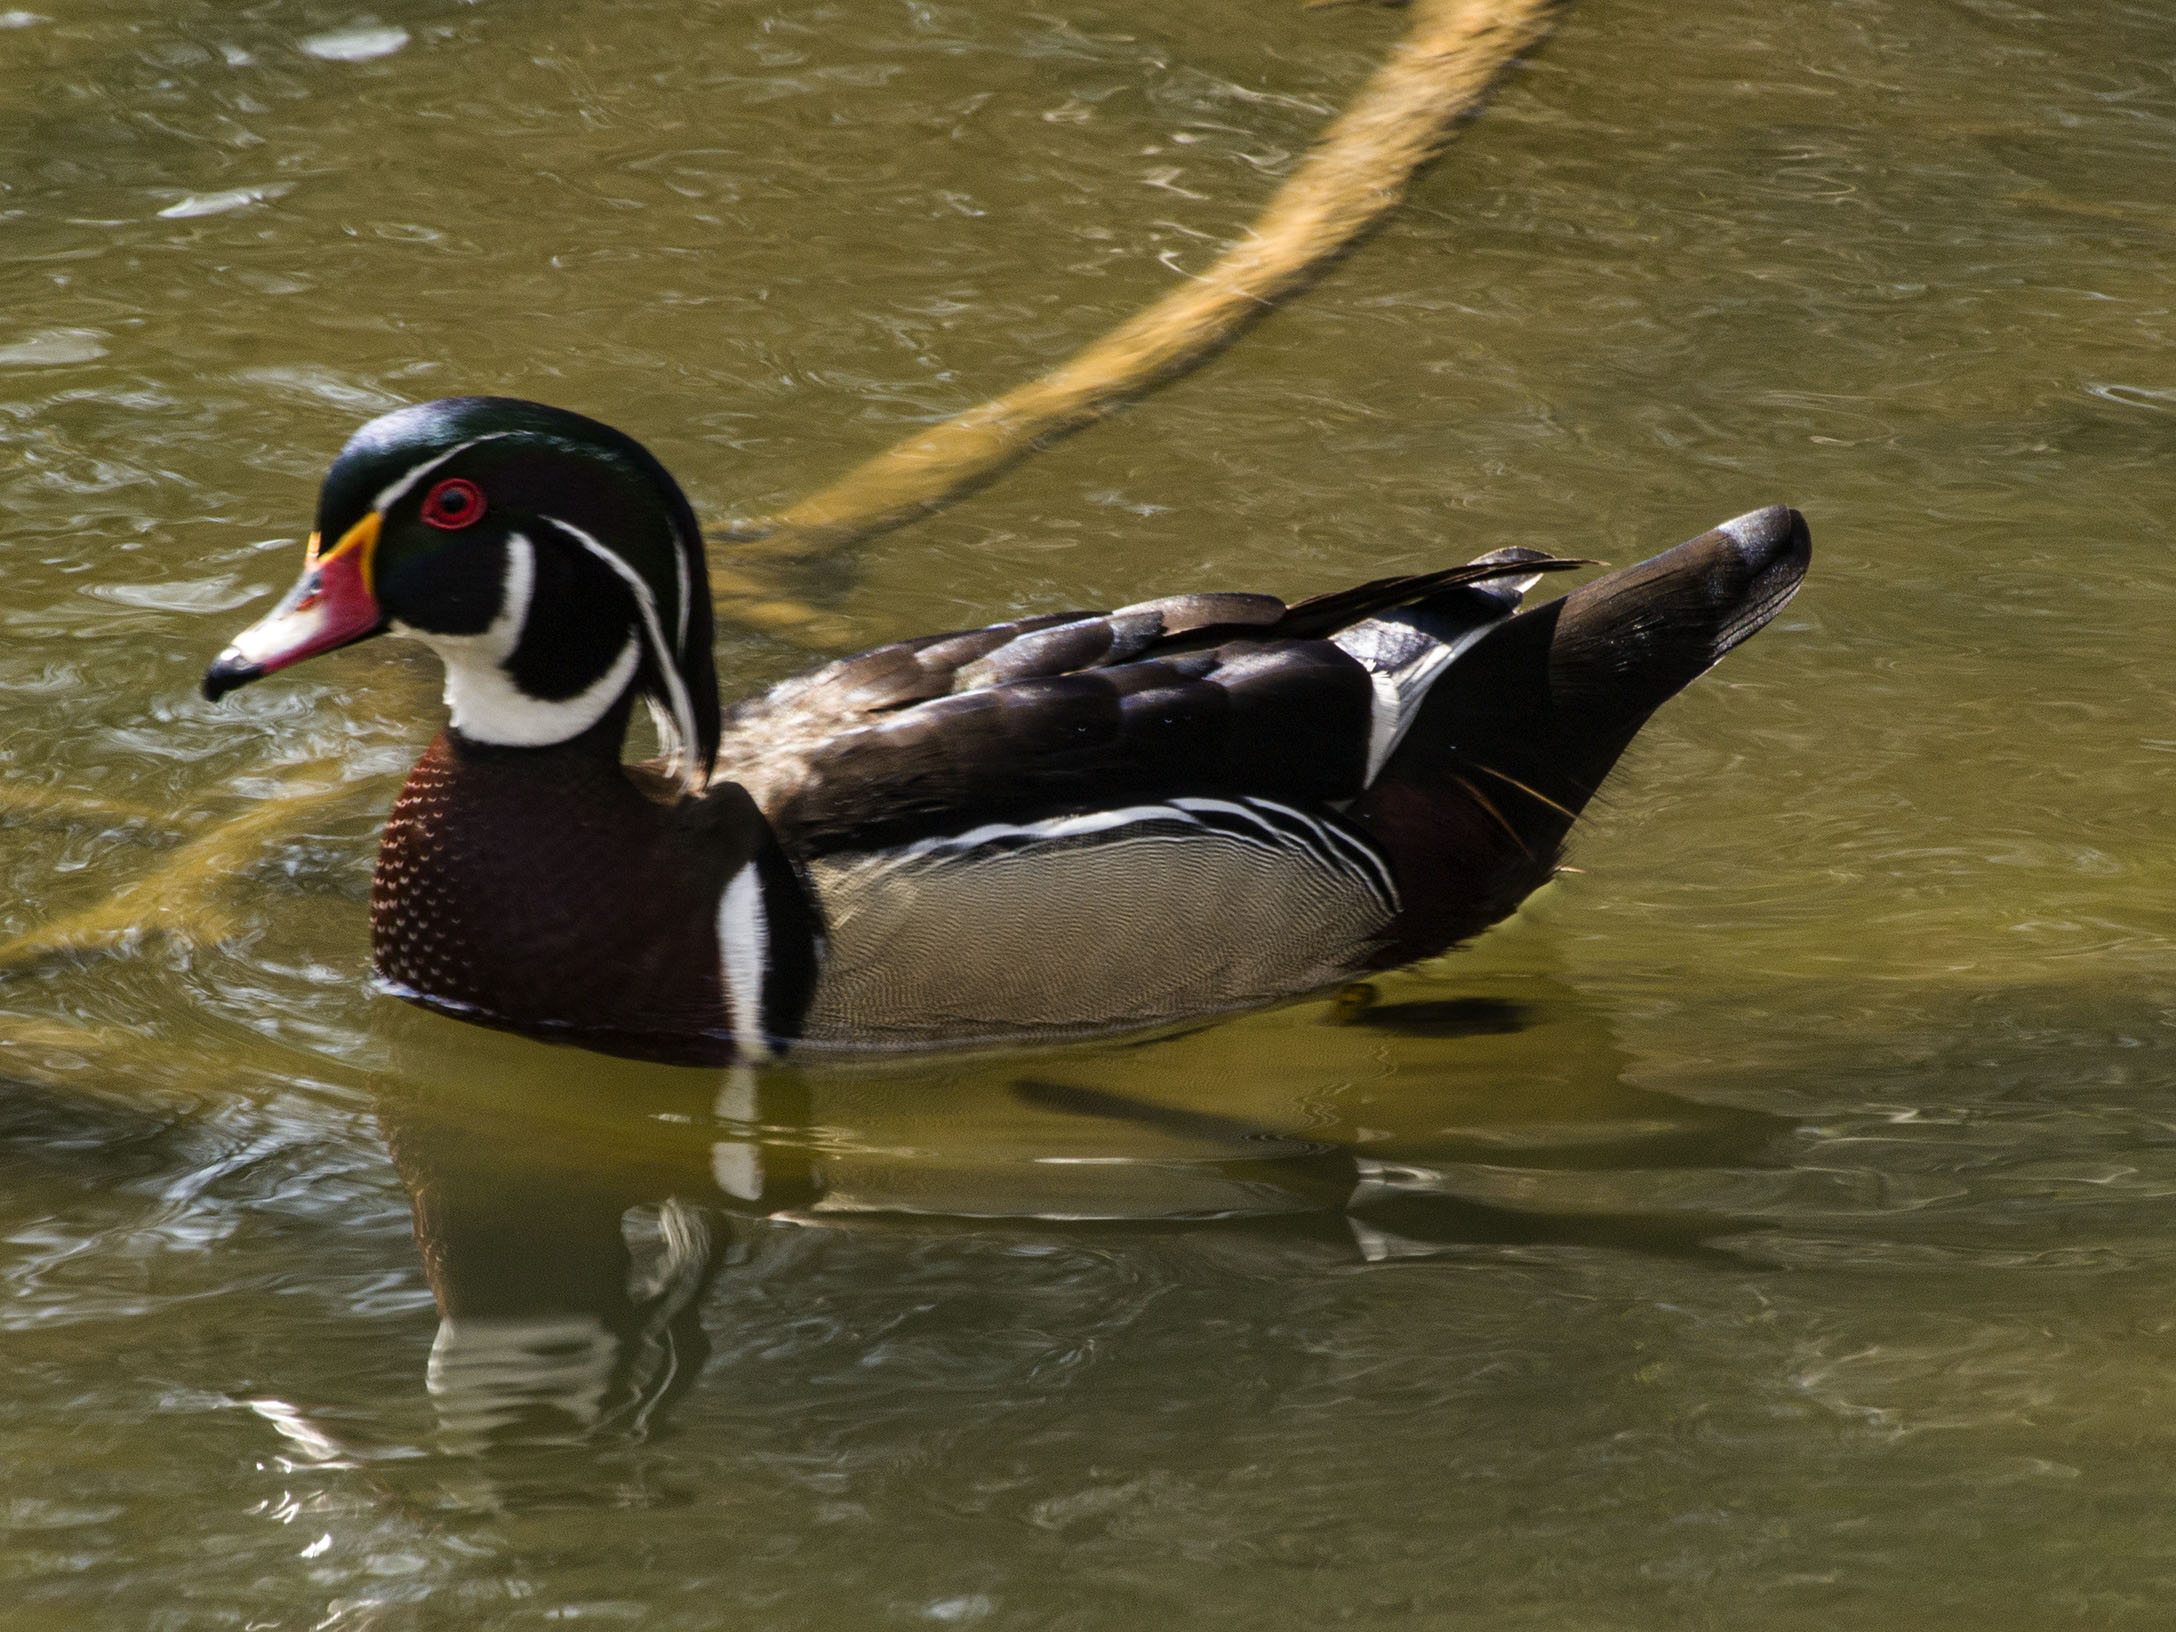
[
  {"x": 1224, "y": 689},
  {"x": 1326, "y": 614}
]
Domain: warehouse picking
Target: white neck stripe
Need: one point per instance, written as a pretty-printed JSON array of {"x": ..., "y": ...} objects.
[
  {"x": 682, "y": 753},
  {"x": 687, "y": 589}
]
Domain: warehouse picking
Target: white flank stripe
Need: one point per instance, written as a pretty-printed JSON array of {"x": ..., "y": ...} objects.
[
  {"x": 680, "y": 753},
  {"x": 1277, "y": 834},
  {"x": 1329, "y": 847},
  {"x": 744, "y": 945},
  {"x": 1245, "y": 812},
  {"x": 1056, "y": 827},
  {"x": 1357, "y": 853},
  {"x": 1331, "y": 844}
]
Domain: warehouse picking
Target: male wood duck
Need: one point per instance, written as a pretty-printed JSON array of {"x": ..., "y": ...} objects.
[{"x": 1057, "y": 826}]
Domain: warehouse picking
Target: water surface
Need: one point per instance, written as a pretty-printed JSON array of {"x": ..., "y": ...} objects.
[{"x": 1771, "y": 1226}]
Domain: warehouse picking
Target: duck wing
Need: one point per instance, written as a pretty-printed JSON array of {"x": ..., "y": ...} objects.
[{"x": 1230, "y": 694}]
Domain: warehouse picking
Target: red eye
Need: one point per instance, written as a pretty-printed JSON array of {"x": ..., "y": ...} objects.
[{"x": 454, "y": 503}]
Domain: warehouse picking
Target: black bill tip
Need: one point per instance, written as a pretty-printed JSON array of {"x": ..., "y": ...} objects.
[{"x": 227, "y": 672}]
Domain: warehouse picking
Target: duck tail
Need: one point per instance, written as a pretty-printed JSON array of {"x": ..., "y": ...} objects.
[{"x": 1514, "y": 739}]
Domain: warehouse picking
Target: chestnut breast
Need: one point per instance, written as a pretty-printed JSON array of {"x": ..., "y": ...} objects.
[{"x": 543, "y": 891}]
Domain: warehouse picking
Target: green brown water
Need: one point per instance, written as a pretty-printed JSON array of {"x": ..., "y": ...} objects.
[{"x": 1773, "y": 1227}]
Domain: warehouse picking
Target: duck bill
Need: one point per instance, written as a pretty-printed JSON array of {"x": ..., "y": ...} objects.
[{"x": 332, "y": 605}]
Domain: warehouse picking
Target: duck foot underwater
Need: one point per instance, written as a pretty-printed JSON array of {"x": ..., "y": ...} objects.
[{"x": 1059, "y": 826}]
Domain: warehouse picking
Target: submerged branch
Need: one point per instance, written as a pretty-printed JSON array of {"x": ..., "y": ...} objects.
[
  {"x": 180, "y": 898},
  {"x": 23, "y": 806},
  {"x": 1454, "y": 52}
]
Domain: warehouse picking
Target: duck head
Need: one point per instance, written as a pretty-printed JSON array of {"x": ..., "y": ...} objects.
[{"x": 550, "y": 561}]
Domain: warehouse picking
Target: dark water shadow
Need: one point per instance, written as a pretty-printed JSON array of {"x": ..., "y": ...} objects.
[
  {"x": 57, "y": 1132},
  {"x": 571, "y": 1218},
  {"x": 1420, "y": 1205},
  {"x": 1448, "y": 1017}
]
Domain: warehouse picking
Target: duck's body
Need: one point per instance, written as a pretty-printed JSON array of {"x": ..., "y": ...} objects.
[{"x": 1053, "y": 827}]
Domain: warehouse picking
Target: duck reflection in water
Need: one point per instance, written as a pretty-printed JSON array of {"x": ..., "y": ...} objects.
[{"x": 571, "y": 1228}]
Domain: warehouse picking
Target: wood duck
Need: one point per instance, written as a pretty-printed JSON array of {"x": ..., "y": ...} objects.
[{"x": 1057, "y": 826}]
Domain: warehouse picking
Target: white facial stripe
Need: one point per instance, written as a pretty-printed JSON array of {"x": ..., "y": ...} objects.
[
  {"x": 486, "y": 704},
  {"x": 497, "y": 642},
  {"x": 744, "y": 945},
  {"x": 681, "y": 754},
  {"x": 391, "y": 494},
  {"x": 516, "y": 590}
]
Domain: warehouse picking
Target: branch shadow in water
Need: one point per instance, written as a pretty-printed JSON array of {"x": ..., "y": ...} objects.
[
  {"x": 1448, "y": 1017},
  {"x": 1419, "y": 1214},
  {"x": 87, "y": 1138}
]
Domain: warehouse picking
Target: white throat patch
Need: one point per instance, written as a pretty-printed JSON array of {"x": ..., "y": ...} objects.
[{"x": 486, "y": 704}]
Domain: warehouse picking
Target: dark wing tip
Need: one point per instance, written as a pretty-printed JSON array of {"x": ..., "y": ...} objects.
[
  {"x": 1770, "y": 538},
  {"x": 1773, "y": 547},
  {"x": 1627, "y": 641}
]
